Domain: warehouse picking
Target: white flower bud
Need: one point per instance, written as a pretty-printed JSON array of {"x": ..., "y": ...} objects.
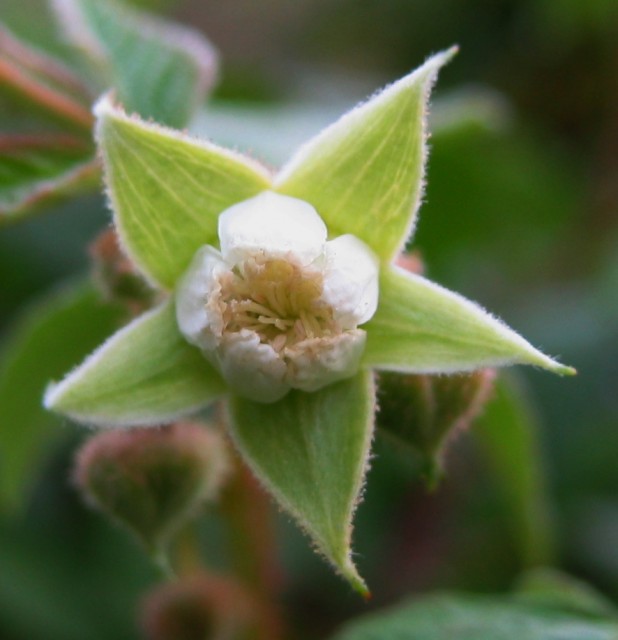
[{"x": 279, "y": 306}]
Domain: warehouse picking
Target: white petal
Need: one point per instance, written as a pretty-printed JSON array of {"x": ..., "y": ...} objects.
[
  {"x": 273, "y": 224},
  {"x": 252, "y": 369},
  {"x": 350, "y": 280},
  {"x": 315, "y": 363},
  {"x": 194, "y": 289}
]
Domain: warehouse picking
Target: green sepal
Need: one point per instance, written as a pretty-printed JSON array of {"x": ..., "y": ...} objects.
[
  {"x": 145, "y": 374},
  {"x": 167, "y": 190},
  {"x": 421, "y": 327},
  {"x": 310, "y": 450},
  {"x": 160, "y": 70},
  {"x": 364, "y": 173}
]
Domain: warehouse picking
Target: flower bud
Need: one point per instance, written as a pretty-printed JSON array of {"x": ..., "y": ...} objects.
[
  {"x": 116, "y": 276},
  {"x": 425, "y": 411},
  {"x": 202, "y": 607},
  {"x": 152, "y": 480},
  {"x": 411, "y": 261}
]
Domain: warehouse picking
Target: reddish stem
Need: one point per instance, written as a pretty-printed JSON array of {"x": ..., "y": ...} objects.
[
  {"x": 27, "y": 142},
  {"x": 249, "y": 515},
  {"x": 40, "y": 63},
  {"x": 59, "y": 104}
]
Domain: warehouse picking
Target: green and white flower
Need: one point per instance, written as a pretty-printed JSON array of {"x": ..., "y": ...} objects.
[
  {"x": 282, "y": 298},
  {"x": 278, "y": 307}
]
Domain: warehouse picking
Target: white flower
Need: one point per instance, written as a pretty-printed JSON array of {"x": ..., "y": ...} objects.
[{"x": 279, "y": 306}]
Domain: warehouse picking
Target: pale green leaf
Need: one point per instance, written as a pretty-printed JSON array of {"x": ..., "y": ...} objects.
[
  {"x": 421, "y": 327},
  {"x": 52, "y": 336},
  {"x": 508, "y": 433},
  {"x": 364, "y": 174},
  {"x": 553, "y": 589},
  {"x": 310, "y": 450},
  {"x": 37, "y": 170},
  {"x": 144, "y": 374},
  {"x": 160, "y": 70},
  {"x": 167, "y": 190},
  {"x": 475, "y": 618}
]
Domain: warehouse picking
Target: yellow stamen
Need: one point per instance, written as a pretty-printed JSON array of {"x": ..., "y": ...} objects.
[{"x": 277, "y": 299}]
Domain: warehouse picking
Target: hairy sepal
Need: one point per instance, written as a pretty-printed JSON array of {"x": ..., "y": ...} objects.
[
  {"x": 364, "y": 173},
  {"x": 145, "y": 374},
  {"x": 421, "y": 327},
  {"x": 168, "y": 189},
  {"x": 311, "y": 452}
]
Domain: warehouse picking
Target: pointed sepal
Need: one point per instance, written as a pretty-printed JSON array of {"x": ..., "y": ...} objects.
[
  {"x": 364, "y": 173},
  {"x": 310, "y": 450},
  {"x": 144, "y": 374},
  {"x": 168, "y": 189},
  {"x": 421, "y": 327}
]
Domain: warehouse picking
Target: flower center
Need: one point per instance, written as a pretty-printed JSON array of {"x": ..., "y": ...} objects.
[{"x": 277, "y": 299}]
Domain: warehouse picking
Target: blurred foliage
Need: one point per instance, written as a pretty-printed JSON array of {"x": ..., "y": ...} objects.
[
  {"x": 520, "y": 213},
  {"x": 50, "y": 338},
  {"x": 156, "y": 68},
  {"x": 552, "y": 610}
]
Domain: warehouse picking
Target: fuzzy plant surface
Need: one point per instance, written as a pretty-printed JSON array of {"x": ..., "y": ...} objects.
[{"x": 281, "y": 297}]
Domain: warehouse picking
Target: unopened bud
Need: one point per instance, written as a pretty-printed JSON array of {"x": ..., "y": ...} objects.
[
  {"x": 152, "y": 480},
  {"x": 425, "y": 411},
  {"x": 201, "y": 607},
  {"x": 411, "y": 261},
  {"x": 117, "y": 277}
]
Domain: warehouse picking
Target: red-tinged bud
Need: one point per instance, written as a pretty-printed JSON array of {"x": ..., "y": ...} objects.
[
  {"x": 152, "y": 480},
  {"x": 201, "y": 607},
  {"x": 117, "y": 277},
  {"x": 425, "y": 412},
  {"x": 411, "y": 262}
]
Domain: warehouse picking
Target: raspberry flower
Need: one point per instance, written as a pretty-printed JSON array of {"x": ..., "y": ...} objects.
[
  {"x": 282, "y": 297},
  {"x": 279, "y": 306}
]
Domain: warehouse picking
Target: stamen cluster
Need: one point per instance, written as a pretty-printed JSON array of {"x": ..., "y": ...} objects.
[{"x": 277, "y": 299}]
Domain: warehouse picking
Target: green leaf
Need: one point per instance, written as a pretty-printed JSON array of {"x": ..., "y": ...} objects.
[
  {"x": 42, "y": 85},
  {"x": 36, "y": 170},
  {"x": 51, "y": 337},
  {"x": 421, "y": 327},
  {"x": 475, "y": 618},
  {"x": 167, "y": 190},
  {"x": 553, "y": 589},
  {"x": 159, "y": 69},
  {"x": 17, "y": 15},
  {"x": 507, "y": 432},
  {"x": 144, "y": 374},
  {"x": 311, "y": 450},
  {"x": 364, "y": 174}
]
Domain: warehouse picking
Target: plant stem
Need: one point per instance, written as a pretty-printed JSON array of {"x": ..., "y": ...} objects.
[{"x": 249, "y": 516}]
